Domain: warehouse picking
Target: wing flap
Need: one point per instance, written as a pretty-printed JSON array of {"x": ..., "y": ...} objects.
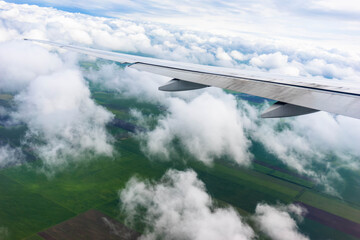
[
  {"x": 179, "y": 85},
  {"x": 280, "y": 109}
]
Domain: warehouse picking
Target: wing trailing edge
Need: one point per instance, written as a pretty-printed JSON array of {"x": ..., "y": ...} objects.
[{"x": 295, "y": 95}]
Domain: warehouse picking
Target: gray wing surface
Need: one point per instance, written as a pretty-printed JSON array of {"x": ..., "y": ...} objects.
[{"x": 294, "y": 95}]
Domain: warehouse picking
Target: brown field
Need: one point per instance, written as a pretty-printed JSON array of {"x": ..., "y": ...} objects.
[
  {"x": 331, "y": 220},
  {"x": 89, "y": 225}
]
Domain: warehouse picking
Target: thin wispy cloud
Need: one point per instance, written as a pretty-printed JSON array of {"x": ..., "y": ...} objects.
[{"x": 10, "y": 156}]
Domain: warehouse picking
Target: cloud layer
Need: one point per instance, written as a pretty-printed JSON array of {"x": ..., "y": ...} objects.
[
  {"x": 315, "y": 138},
  {"x": 326, "y": 23},
  {"x": 178, "y": 207},
  {"x": 64, "y": 123},
  {"x": 166, "y": 41}
]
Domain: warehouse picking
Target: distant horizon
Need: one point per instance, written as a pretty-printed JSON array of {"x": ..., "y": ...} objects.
[
  {"x": 90, "y": 142},
  {"x": 331, "y": 25}
]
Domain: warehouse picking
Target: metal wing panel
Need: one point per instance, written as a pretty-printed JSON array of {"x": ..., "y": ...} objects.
[
  {"x": 332, "y": 96},
  {"x": 326, "y": 100}
]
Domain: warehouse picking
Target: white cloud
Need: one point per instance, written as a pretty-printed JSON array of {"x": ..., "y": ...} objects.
[
  {"x": 273, "y": 60},
  {"x": 207, "y": 127},
  {"x": 133, "y": 83},
  {"x": 238, "y": 55},
  {"x": 224, "y": 57},
  {"x": 277, "y": 63},
  {"x": 166, "y": 41},
  {"x": 57, "y": 108},
  {"x": 347, "y": 6},
  {"x": 189, "y": 117},
  {"x": 21, "y": 62},
  {"x": 324, "y": 23},
  {"x": 276, "y": 222},
  {"x": 305, "y": 143},
  {"x": 179, "y": 208},
  {"x": 337, "y": 133},
  {"x": 319, "y": 67},
  {"x": 129, "y": 82},
  {"x": 54, "y": 101},
  {"x": 10, "y": 156},
  {"x": 188, "y": 120}
]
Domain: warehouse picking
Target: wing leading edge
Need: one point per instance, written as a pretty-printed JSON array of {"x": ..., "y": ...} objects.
[{"x": 295, "y": 95}]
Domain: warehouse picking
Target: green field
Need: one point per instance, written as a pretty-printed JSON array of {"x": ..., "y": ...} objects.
[
  {"x": 31, "y": 202},
  {"x": 24, "y": 211}
]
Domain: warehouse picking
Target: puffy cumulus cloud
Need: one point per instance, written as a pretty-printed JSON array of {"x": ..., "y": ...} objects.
[
  {"x": 54, "y": 101},
  {"x": 280, "y": 139},
  {"x": 277, "y": 63},
  {"x": 225, "y": 58},
  {"x": 238, "y": 55},
  {"x": 339, "y": 134},
  {"x": 10, "y": 156},
  {"x": 179, "y": 208},
  {"x": 318, "y": 145},
  {"x": 57, "y": 109},
  {"x": 319, "y": 67},
  {"x": 207, "y": 127},
  {"x": 273, "y": 60},
  {"x": 276, "y": 222}
]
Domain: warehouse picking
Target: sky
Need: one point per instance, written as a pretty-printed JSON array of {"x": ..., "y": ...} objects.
[
  {"x": 328, "y": 23},
  {"x": 315, "y": 39}
]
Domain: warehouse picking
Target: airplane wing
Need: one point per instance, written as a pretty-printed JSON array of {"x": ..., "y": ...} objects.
[{"x": 294, "y": 95}]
